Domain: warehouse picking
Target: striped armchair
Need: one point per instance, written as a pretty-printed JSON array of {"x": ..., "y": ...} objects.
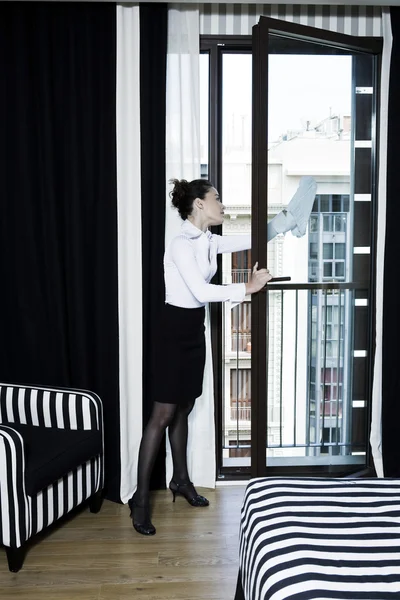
[{"x": 51, "y": 460}]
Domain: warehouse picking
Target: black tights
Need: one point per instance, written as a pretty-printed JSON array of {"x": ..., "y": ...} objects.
[{"x": 176, "y": 419}]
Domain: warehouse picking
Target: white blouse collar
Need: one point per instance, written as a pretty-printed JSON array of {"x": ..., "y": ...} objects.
[{"x": 192, "y": 231}]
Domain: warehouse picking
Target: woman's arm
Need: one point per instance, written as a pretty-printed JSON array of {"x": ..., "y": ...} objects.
[
  {"x": 235, "y": 243},
  {"x": 182, "y": 254},
  {"x": 232, "y": 243}
]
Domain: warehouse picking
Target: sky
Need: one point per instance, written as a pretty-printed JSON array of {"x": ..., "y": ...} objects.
[{"x": 301, "y": 88}]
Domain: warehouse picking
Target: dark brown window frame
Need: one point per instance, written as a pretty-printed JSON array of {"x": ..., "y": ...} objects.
[{"x": 216, "y": 46}]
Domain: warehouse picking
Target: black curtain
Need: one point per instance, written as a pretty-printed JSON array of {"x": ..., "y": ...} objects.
[
  {"x": 391, "y": 303},
  {"x": 153, "y": 63},
  {"x": 58, "y": 225}
]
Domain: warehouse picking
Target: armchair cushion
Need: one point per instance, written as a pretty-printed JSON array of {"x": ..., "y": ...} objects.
[{"x": 50, "y": 453}]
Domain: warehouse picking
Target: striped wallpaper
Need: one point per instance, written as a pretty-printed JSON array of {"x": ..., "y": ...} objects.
[{"x": 238, "y": 19}]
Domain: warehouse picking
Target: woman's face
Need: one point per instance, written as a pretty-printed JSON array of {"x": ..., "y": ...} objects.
[{"x": 213, "y": 208}]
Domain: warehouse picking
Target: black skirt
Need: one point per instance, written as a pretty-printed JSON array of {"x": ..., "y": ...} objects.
[{"x": 181, "y": 355}]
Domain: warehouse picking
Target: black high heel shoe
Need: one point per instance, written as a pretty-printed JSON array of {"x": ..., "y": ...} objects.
[
  {"x": 141, "y": 521},
  {"x": 188, "y": 491}
]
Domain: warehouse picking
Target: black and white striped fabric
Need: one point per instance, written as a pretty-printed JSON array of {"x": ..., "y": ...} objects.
[
  {"x": 21, "y": 516},
  {"x": 315, "y": 538},
  {"x": 217, "y": 18}
]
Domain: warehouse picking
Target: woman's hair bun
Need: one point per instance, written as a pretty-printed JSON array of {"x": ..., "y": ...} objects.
[
  {"x": 184, "y": 192},
  {"x": 180, "y": 190}
]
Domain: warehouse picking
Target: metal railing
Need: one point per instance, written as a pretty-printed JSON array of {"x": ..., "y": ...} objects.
[
  {"x": 311, "y": 362},
  {"x": 241, "y": 413},
  {"x": 240, "y": 275}
]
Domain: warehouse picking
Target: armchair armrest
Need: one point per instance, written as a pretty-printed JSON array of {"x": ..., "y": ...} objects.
[
  {"x": 13, "y": 498},
  {"x": 55, "y": 407}
]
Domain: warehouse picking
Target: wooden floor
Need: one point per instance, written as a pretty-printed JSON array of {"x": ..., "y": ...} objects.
[{"x": 193, "y": 556}]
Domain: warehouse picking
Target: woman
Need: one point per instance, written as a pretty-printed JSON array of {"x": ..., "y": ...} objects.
[{"x": 190, "y": 261}]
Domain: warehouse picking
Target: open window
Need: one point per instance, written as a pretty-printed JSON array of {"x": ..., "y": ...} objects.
[{"x": 293, "y": 366}]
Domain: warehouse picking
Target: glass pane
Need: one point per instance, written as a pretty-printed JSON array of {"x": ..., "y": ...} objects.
[
  {"x": 236, "y": 196},
  {"x": 327, "y": 223},
  {"x": 324, "y": 204},
  {"x": 340, "y": 223},
  {"x": 313, "y": 224},
  {"x": 310, "y": 133},
  {"x": 328, "y": 251},
  {"x": 313, "y": 250},
  {"x": 340, "y": 250},
  {"x": 336, "y": 203},
  {"x": 339, "y": 269}
]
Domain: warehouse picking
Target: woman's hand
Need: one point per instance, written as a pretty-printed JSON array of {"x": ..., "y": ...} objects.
[{"x": 259, "y": 278}]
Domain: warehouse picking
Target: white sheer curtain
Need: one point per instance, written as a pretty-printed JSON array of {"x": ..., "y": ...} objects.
[
  {"x": 376, "y": 422},
  {"x": 183, "y": 162},
  {"x": 129, "y": 243},
  {"x": 183, "y": 104}
]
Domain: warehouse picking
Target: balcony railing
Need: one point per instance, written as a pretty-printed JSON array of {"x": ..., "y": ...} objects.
[
  {"x": 241, "y": 413},
  {"x": 241, "y": 342},
  {"x": 240, "y": 275},
  {"x": 317, "y": 365}
]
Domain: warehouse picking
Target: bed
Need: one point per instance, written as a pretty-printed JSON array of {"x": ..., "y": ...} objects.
[{"x": 320, "y": 539}]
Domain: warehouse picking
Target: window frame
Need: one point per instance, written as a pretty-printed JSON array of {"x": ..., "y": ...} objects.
[{"x": 215, "y": 46}]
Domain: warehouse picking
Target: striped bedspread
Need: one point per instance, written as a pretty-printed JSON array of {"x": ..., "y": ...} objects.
[{"x": 320, "y": 539}]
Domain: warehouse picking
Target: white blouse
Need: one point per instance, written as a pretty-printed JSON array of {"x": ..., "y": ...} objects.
[{"x": 190, "y": 262}]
